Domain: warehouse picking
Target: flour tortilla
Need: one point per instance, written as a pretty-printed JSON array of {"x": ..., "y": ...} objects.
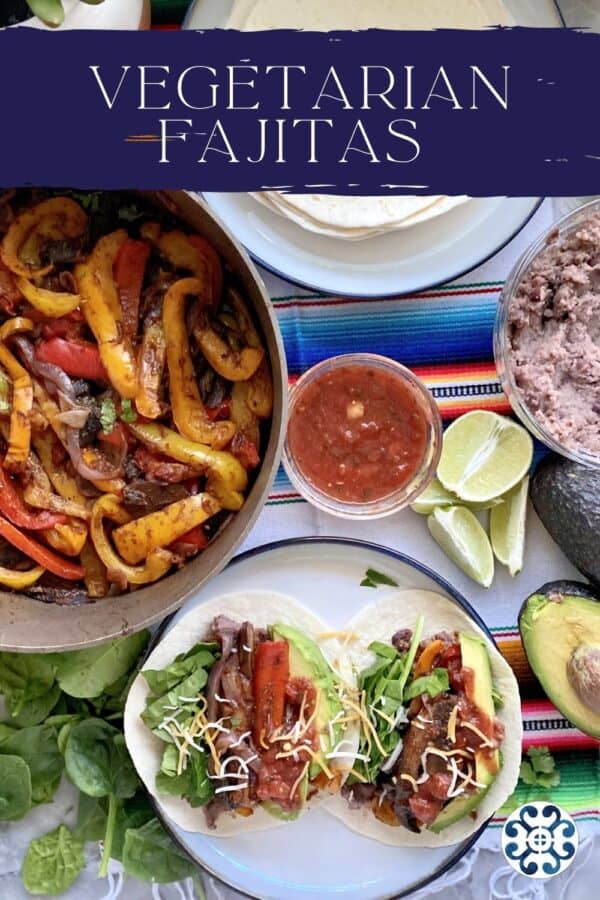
[
  {"x": 379, "y": 621},
  {"x": 357, "y": 218},
  {"x": 316, "y": 15},
  {"x": 262, "y": 608},
  {"x": 327, "y": 214}
]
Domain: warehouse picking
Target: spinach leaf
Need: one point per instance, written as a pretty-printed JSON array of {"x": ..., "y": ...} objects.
[
  {"x": 157, "y": 709},
  {"x": 6, "y": 731},
  {"x": 24, "y": 677},
  {"x": 38, "y": 747},
  {"x": 193, "y": 783},
  {"x": 149, "y": 854},
  {"x": 87, "y": 673},
  {"x": 91, "y": 818},
  {"x": 383, "y": 687},
  {"x": 97, "y": 762},
  {"x": 37, "y": 709},
  {"x": 433, "y": 684},
  {"x": 15, "y": 788},
  {"x": 132, "y": 813},
  {"x": 160, "y": 681},
  {"x": 53, "y": 862}
]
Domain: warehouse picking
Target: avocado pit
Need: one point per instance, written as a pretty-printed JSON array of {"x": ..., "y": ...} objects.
[{"x": 583, "y": 672}]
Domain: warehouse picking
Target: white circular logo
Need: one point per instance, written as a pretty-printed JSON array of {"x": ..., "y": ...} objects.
[{"x": 539, "y": 840}]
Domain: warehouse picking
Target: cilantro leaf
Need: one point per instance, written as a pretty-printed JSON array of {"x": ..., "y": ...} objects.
[
  {"x": 128, "y": 413},
  {"x": 539, "y": 770},
  {"x": 108, "y": 415},
  {"x": 373, "y": 579}
]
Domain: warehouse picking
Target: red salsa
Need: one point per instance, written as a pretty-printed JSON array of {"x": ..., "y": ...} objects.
[{"x": 358, "y": 433}]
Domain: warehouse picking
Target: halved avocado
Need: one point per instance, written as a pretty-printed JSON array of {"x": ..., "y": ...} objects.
[
  {"x": 560, "y": 630},
  {"x": 565, "y": 497},
  {"x": 475, "y": 657}
]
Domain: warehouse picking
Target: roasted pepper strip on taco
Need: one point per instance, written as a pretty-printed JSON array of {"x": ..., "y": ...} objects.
[
  {"x": 430, "y": 745},
  {"x": 251, "y": 718}
]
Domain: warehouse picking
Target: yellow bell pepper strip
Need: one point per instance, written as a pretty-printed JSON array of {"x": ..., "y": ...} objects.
[
  {"x": 196, "y": 255},
  {"x": 22, "y": 400},
  {"x": 64, "y": 568},
  {"x": 158, "y": 563},
  {"x": 137, "y": 539},
  {"x": 234, "y": 365},
  {"x": 227, "y": 478},
  {"x": 52, "y": 304},
  {"x": 68, "y": 538},
  {"x": 151, "y": 366},
  {"x": 260, "y": 394},
  {"x": 18, "y": 581},
  {"x": 52, "y": 219},
  {"x": 5, "y": 401},
  {"x": 246, "y": 421},
  {"x": 189, "y": 412},
  {"x": 49, "y": 450},
  {"x": 101, "y": 308},
  {"x": 96, "y": 580}
]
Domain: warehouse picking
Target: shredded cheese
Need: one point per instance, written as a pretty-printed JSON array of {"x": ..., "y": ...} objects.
[
  {"x": 231, "y": 787},
  {"x": 315, "y": 757},
  {"x": 452, "y": 725},
  {"x": 409, "y": 778},
  {"x": 479, "y": 733},
  {"x": 298, "y": 780}
]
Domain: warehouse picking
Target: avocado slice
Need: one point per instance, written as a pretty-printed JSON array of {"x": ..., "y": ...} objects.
[
  {"x": 307, "y": 660},
  {"x": 474, "y": 657},
  {"x": 565, "y": 496},
  {"x": 560, "y": 630}
]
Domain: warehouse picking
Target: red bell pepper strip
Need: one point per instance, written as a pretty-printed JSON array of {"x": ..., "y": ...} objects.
[
  {"x": 80, "y": 359},
  {"x": 13, "y": 507},
  {"x": 70, "y": 326},
  {"x": 271, "y": 674},
  {"x": 42, "y": 555},
  {"x": 129, "y": 269},
  {"x": 195, "y": 537},
  {"x": 119, "y": 436}
]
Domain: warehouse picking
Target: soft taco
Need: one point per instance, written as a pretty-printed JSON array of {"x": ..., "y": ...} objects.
[
  {"x": 237, "y": 720},
  {"x": 440, "y": 741}
]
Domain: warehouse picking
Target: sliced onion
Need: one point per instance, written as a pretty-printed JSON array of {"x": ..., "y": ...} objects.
[
  {"x": 107, "y": 471},
  {"x": 73, "y": 418},
  {"x": 54, "y": 378}
]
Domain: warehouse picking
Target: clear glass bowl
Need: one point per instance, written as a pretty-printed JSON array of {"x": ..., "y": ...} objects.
[
  {"x": 384, "y": 506},
  {"x": 560, "y": 229}
]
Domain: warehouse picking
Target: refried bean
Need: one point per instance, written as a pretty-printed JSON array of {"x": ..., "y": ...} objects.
[{"x": 554, "y": 338}]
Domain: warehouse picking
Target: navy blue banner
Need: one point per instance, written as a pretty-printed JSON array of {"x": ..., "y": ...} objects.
[{"x": 504, "y": 111}]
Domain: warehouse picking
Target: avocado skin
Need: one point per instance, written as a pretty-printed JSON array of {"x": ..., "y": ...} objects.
[
  {"x": 566, "y": 497},
  {"x": 548, "y": 676}
]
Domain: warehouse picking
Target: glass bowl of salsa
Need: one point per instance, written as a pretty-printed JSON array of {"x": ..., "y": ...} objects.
[{"x": 364, "y": 436}]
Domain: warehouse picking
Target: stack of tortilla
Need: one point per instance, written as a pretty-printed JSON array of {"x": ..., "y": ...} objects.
[{"x": 355, "y": 218}]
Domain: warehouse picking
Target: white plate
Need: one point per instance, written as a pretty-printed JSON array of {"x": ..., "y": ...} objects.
[
  {"x": 400, "y": 262},
  {"x": 318, "y": 856}
]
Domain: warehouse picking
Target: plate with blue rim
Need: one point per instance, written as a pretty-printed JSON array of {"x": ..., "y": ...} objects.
[{"x": 317, "y": 856}]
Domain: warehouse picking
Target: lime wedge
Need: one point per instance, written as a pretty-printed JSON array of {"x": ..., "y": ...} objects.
[
  {"x": 435, "y": 494},
  {"x": 462, "y": 537},
  {"x": 507, "y": 528},
  {"x": 484, "y": 455}
]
